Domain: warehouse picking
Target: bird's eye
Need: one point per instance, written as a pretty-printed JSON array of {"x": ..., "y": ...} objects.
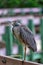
[{"x": 16, "y": 25}]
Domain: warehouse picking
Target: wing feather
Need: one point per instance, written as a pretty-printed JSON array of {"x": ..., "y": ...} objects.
[{"x": 28, "y": 38}]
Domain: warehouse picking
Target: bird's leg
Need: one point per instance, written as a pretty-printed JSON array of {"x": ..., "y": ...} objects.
[{"x": 25, "y": 52}]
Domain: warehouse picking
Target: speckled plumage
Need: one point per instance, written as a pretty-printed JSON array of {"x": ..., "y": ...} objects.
[{"x": 24, "y": 35}]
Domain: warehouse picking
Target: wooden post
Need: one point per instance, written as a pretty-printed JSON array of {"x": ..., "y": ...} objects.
[
  {"x": 41, "y": 31},
  {"x": 8, "y": 40},
  {"x": 20, "y": 46},
  {"x": 31, "y": 26}
]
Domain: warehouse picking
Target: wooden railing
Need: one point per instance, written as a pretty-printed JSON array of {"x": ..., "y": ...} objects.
[{"x": 6, "y": 60}]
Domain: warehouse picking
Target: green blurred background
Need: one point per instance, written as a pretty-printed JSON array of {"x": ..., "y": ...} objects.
[{"x": 20, "y": 3}]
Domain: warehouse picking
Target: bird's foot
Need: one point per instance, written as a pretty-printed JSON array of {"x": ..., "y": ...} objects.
[{"x": 22, "y": 62}]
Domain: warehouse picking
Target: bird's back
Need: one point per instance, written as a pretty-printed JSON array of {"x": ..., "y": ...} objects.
[{"x": 28, "y": 37}]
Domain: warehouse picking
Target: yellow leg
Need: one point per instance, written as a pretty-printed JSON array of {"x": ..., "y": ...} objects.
[{"x": 25, "y": 53}]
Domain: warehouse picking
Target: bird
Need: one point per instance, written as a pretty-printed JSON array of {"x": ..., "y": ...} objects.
[{"x": 24, "y": 35}]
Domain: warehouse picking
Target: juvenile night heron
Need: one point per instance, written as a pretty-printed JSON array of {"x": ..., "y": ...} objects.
[{"x": 24, "y": 35}]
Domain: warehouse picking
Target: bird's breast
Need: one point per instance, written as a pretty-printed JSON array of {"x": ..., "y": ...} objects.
[{"x": 17, "y": 34}]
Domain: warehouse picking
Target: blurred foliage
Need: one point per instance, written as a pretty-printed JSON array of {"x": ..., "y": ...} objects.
[{"x": 20, "y": 3}]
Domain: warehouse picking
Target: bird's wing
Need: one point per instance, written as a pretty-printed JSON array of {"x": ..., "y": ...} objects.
[{"x": 28, "y": 38}]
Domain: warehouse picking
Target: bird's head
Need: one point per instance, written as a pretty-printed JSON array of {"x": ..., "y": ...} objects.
[{"x": 16, "y": 24}]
